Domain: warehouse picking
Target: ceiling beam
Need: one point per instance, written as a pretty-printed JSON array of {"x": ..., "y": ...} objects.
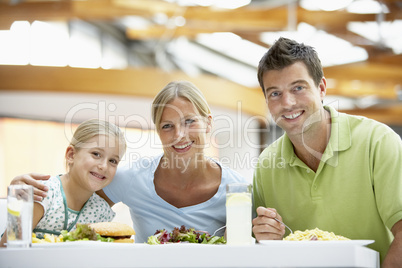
[
  {"x": 144, "y": 82},
  {"x": 250, "y": 19},
  {"x": 391, "y": 59},
  {"x": 365, "y": 79},
  {"x": 63, "y": 10},
  {"x": 368, "y": 71},
  {"x": 361, "y": 88},
  {"x": 390, "y": 115},
  {"x": 243, "y": 21}
]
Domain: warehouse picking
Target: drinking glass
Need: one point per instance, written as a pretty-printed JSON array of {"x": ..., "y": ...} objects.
[
  {"x": 19, "y": 216},
  {"x": 238, "y": 214}
]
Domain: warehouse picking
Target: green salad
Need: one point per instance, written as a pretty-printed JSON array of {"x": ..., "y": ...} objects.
[
  {"x": 183, "y": 235},
  {"x": 83, "y": 233}
]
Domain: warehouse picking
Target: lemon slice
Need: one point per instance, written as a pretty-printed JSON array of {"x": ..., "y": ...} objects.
[
  {"x": 15, "y": 208},
  {"x": 238, "y": 199}
]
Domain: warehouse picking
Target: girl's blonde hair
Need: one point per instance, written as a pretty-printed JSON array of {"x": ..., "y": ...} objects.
[
  {"x": 176, "y": 89},
  {"x": 94, "y": 127}
]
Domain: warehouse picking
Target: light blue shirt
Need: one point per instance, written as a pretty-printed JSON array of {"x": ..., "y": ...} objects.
[{"x": 133, "y": 185}]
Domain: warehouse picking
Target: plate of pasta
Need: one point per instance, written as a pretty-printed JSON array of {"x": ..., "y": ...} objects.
[
  {"x": 316, "y": 243},
  {"x": 316, "y": 237}
]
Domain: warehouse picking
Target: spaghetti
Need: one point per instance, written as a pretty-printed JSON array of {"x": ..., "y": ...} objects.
[{"x": 315, "y": 234}]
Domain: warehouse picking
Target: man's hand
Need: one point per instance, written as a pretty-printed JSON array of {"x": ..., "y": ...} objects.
[
  {"x": 265, "y": 227},
  {"x": 40, "y": 190}
]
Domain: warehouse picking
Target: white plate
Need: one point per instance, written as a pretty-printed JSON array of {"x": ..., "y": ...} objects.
[
  {"x": 85, "y": 244},
  {"x": 317, "y": 243}
]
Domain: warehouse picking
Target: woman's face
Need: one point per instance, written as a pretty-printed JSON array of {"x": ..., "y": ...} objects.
[{"x": 182, "y": 129}]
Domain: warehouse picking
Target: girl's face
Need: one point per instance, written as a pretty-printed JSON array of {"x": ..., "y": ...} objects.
[
  {"x": 182, "y": 129},
  {"x": 94, "y": 164}
]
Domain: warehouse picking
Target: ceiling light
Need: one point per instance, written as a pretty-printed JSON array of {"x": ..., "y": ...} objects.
[
  {"x": 135, "y": 22},
  {"x": 227, "y": 4},
  {"x": 179, "y": 21},
  {"x": 327, "y": 5},
  {"x": 367, "y": 7},
  {"x": 210, "y": 61},
  {"x": 385, "y": 33},
  {"x": 230, "y": 4},
  {"x": 232, "y": 45},
  {"x": 327, "y": 46},
  {"x": 14, "y": 44}
]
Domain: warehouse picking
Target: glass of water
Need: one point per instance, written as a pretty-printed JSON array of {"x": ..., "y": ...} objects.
[
  {"x": 19, "y": 216},
  {"x": 238, "y": 214}
]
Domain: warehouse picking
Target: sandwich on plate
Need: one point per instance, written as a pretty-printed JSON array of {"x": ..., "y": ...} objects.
[{"x": 119, "y": 232}]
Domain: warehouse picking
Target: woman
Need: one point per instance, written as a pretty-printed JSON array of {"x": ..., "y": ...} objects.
[{"x": 182, "y": 186}]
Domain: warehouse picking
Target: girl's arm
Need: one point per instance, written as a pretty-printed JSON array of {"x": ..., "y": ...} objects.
[
  {"x": 3, "y": 239},
  {"x": 38, "y": 212}
]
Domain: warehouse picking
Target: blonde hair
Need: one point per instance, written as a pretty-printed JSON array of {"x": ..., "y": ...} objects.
[
  {"x": 178, "y": 89},
  {"x": 94, "y": 127}
]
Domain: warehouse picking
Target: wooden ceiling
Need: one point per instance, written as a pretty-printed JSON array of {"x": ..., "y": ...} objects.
[{"x": 380, "y": 76}]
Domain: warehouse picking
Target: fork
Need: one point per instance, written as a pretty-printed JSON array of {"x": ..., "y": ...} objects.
[
  {"x": 290, "y": 230},
  {"x": 217, "y": 230}
]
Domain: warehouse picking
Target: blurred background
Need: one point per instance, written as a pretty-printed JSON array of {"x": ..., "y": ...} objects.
[{"x": 62, "y": 62}]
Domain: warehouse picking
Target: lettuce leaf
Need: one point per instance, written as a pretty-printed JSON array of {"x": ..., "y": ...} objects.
[
  {"x": 83, "y": 233},
  {"x": 183, "y": 235}
]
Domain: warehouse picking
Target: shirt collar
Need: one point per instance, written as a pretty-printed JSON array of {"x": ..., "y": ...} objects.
[{"x": 340, "y": 139}]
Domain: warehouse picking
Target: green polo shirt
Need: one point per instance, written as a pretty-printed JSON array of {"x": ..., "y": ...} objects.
[{"x": 356, "y": 191}]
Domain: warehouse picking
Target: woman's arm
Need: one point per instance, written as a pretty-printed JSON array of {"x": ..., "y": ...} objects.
[
  {"x": 40, "y": 190},
  {"x": 102, "y": 194}
]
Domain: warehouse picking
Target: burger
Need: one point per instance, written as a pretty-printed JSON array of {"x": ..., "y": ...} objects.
[{"x": 119, "y": 232}]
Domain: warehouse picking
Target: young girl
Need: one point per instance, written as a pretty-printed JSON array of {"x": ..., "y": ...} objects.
[{"x": 91, "y": 159}]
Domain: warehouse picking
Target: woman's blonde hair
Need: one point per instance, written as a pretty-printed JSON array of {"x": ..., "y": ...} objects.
[
  {"x": 94, "y": 127},
  {"x": 178, "y": 89}
]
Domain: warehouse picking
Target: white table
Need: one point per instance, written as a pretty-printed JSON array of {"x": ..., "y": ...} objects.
[{"x": 278, "y": 254}]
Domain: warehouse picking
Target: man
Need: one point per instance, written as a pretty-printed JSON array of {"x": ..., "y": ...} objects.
[{"x": 333, "y": 171}]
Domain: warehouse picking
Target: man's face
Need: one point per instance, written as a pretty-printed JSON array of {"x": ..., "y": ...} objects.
[{"x": 293, "y": 99}]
